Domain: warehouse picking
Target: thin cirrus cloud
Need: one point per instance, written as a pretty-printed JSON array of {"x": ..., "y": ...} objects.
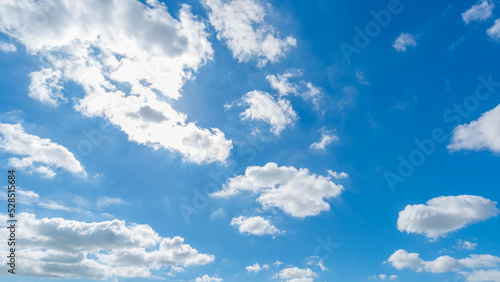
[
  {"x": 442, "y": 215},
  {"x": 481, "y": 11},
  {"x": 297, "y": 192},
  {"x": 39, "y": 155},
  {"x": 276, "y": 112},
  {"x": 255, "y": 225},
  {"x": 403, "y": 41},
  {"x": 241, "y": 24},
  {"x": 61, "y": 248},
  {"x": 478, "y": 135},
  {"x": 93, "y": 44}
]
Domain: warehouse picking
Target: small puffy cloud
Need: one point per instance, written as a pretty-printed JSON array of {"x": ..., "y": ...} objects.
[
  {"x": 484, "y": 276},
  {"x": 403, "y": 41},
  {"x": 465, "y": 245},
  {"x": 38, "y": 155},
  {"x": 206, "y": 278},
  {"x": 125, "y": 70},
  {"x": 338, "y": 175},
  {"x": 295, "y": 274},
  {"x": 494, "y": 31},
  {"x": 256, "y": 267},
  {"x": 241, "y": 24},
  {"x": 305, "y": 89},
  {"x": 7, "y": 47},
  {"x": 256, "y": 225},
  {"x": 297, "y": 192},
  {"x": 384, "y": 277},
  {"x": 327, "y": 138},
  {"x": 401, "y": 259},
  {"x": 479, "y": 12},
  {"x": 481, "y": 134},
  {"x": 316, "y": 261},
  {"x": 277, "y": 112},
  {"x": 480, "y": 261},
  {"x": 442, "y": 215},
  {"x": 69, "y": 249}
]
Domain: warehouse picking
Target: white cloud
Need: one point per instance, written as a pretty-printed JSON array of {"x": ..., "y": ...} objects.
[
  {"x": 484, "y": 276},
  {"x": 327, "y": 138},
  {"x": 442, "y": 215},
  {"x": 481, "y": 134},
  {"x": 241, "y": 24},
  {"x": 479, "y": 12},
  {"x": 295, "y": 274},
  {"x": 337, "y": 175},
  {"x": 69, "y": 249},
  {"x": 316, "y": 261},
  {"x": 277, "y": 112},
  {"x": 383, "y": 277},
  {"x": 297, "y": 192},
  {"x": 256, "y": 225},
  {"x": 45, "y": 86},
  {"x": 465, "y": 245},
  {"x": 256, "y": 267},
  {"x": 494, "y": 31},
  {"x": 304, "y": 89},
  {"x": 127, "y": 56},
  {"x": 103, "y": 202},
  {"x": 403, "y": 41},
  {"x": 206, "y": 278},
  {"x": 404, "y": 260},
  {"x": 7, "y": 47},
  {"x": 480, "y": 261},
  {"x": 38, "y": 155}
]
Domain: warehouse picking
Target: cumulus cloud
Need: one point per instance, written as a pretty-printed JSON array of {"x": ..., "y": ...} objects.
[
  {"x": 256, "y": 225},
  {"x": 241, "y": 24},
  {"x": 69, "y": 249},
  {"x": 206, "y": 278},
  {"x": 327, "y": 138},
  {"x": 305, "y": 89},
  {"x": 465, "y": 245},
  {"x": 277, "y": 112},
  {"x": 484, "y": 276},
  {"x": 403, "y": 41},
  {"x": 479, "y": 12},
  {"x": 256, "y": 267},
  {"x": 494, "y": 31},
  {"x": 338, "y": 175},
  {"x": 297, "y": 192},
  {"x": 295, "y": 274},
  {"x": 127, "y": 57},
  {"x": 481, "y": 134},
  {"x": 38, "y": 155},
  {"x": 7, "y": 47},
  {"x": 442, "y": 215}
]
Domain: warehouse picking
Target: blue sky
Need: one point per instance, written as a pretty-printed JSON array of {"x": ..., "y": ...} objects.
[{"x": 249, "y": 140}]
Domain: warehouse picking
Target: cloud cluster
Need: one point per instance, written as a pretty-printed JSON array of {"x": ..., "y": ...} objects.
[
  {"x": 295, "y": 274},
  {"x": 241, "y": 24},
  {"x": 69, "y": 249},
  {"x": 305, "y": 89},
  {"x": 39, "y": 155},
  {"x": 256, "y": 268},
  {"x": 442, "y": 215},
  {"x": 403, "y": 41},
  {"x": 256, "y": 225},
  {"x": 297, "y": 192},
  {"x": 127, "y": 57}
]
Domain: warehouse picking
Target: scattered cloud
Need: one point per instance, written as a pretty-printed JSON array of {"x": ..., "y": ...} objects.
[
  {"x": 256, "y": 225},
  {"x": 305, "y": 89},
  {"x": 494, "y": 31},
  {"x": 483, "y": 276},
  {"x": 327, "y": 138},
  {"x": 241, "y": 24},
  {"x": 38, "y": 155},
  {"x": 125, "y": 70},
  {"x": 7, "y": 47},
  {"x": 256, "y": 267},
  {"x": 297, "y": 192},
  {"x": 479, "y": 12},
  {"x": 69, "y": 249},
  {"x": 206, "y": 278},
  {"x": 295, "y": 274},
  {"x": 481, "y": 134},
  {"x": 337, "y": 175},
  {"x": 442, "y": 215},
  {"x": 277, "y": 112},
  {"x": 103, "y": 202},
  {"x": 384, "y": 277},
  {"x": 465, "y": 245},
  {"x": 403, "y": 41}
]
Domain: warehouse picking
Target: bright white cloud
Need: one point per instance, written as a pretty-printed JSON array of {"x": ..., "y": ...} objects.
[
  {"x": 494, "y": 31},
  {"x": 68, "y": 249},
  {"x": 480, "y": 261},
  {"x": 241, "y": 24},
  {"x": 277, "y": 112},
  {"x": 479, "y": 12},
  {"x": 206, "y": 278},
  {"x": 442, "y": 215},
  {"x": 403, "y": 41},
  {"x": 465, "y": 245},
  {"x": 7, "y": 47},
  {"x": 256, "y": 225},
  {"x": 484, "y": 276},
  {"x": 297, "y": 192},
  {"x": 295, "y": 274},
  {"x": 327, "y": 138},
  {"x": 481, "y": 134},
  {"x": 338, "y": 175},
  {"x": 256, "y": 267},
  {"x": 127, "y": 56},
  {"x": 38, "y": 155}
]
